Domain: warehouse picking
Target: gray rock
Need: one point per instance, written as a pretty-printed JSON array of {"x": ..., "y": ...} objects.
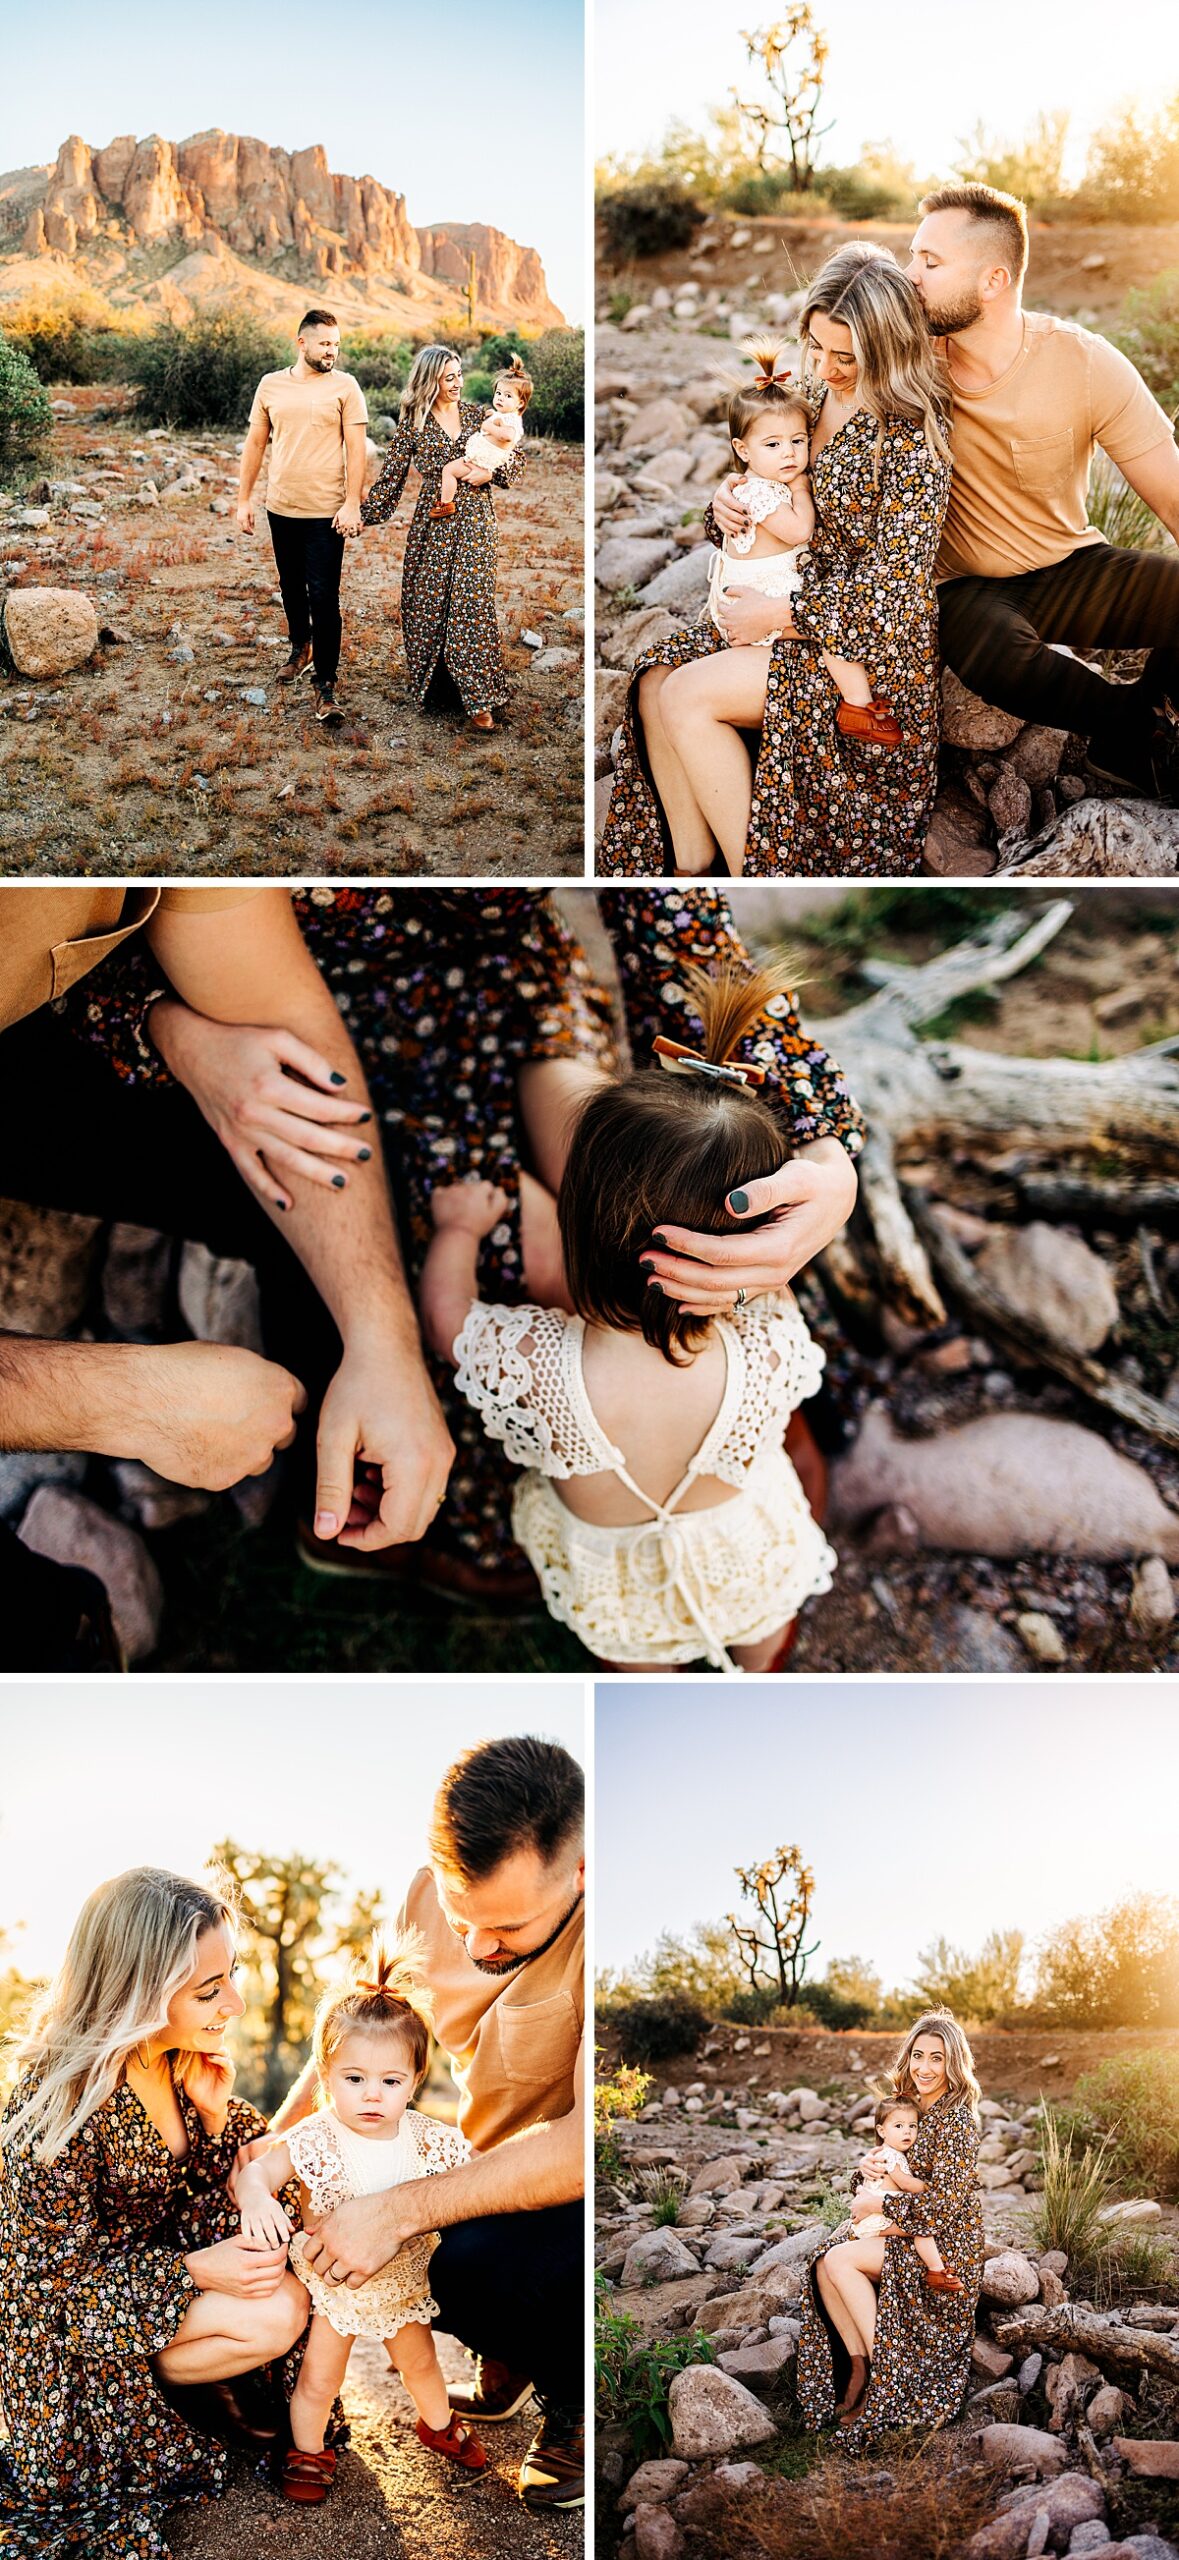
[
  {"x": 711, "y": 2413},
  {"x": 763, "y": 2365},
  {"x": 1010, "y": 2278},
  {"x": 47, "y": 1260},
  {"x": 1010, "y": 802},
  {"x": 1041, "y": 1636},
  {"x": 135, "y": 1281},
  {"x": 1055, "y": 1280},
  {"x": 1106, "y": 2411},
  {"x": 683, "y": 586},
  {"x": 656, "y": 2257},
  {"x": 793, "y": 2250},
  {"x": 219, "y": 1299},
  {"x": 71, "y": 1530},
  {"x": 551, "y": 661},
  {"x": 254, "y": 694},
  {"x": 1135, "y": 2212},
  {"x": 1092, "y": 2536},
  {"x": 969, "y": 722},
  {"x": 1009, "y": 1484},
  {"x": 21, "y": 1472},
  {"x": 1152, "y": 1597},
  {"x": 657, "y": 2535},
  {"x": 652, "y": 2483},
  {"x": 1008, "y": 2448},
  {"x": 627, "y": 560}
]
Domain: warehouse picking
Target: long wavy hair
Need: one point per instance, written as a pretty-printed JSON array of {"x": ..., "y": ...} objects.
[
  {"x": 422, "y": 387},
  {"x": 133, "y": 1946},
  {"x": 959, "y": 2058},
  {"x": 900, "y": 374}
]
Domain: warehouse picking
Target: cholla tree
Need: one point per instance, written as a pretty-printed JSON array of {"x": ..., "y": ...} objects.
[
  {"x": 772, "y": 1946},
  {"x": 297, "y": 1932},
  {"x": 792, "y": 56}
]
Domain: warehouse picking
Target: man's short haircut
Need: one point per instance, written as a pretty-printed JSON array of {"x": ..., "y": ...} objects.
[
  {"x": 318, "y": 320},
  {"x": 1005, "y": 217},
  {"x": 499, "y": 1797}
]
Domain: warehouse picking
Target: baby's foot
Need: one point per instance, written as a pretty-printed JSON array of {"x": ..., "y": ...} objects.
[{"x": 940, "y": 2280}]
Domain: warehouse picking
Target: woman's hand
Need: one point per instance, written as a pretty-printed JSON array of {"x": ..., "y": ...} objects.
[
  {"x": 747, "y": 616},
  {"x": 476, "y": 475},
  {"x": 874, "y": 2165},
  {"x": 208, "y": 2079},
  {"x": 729, "y": 507},
  {"x": 864, "y": 2202},
  {"x": 275, "y": 1104},
  {"x": 812, "y": 1197},
  {"x": 233, "y": 2266}
]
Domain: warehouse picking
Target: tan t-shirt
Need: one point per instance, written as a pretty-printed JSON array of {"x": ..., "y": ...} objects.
[
  {"x": 307, "y": 470},
  {"x": 1023, "y": 448},
  {"x": 513, "y": 2040},
  {"x": 49, "y": 938}
]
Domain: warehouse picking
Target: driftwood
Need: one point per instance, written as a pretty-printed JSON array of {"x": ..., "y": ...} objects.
[
  {"x": 1096, "y": 1200},
  {"x": 994, "y": 1315},
  {"x": 1072, "y": 2329}
]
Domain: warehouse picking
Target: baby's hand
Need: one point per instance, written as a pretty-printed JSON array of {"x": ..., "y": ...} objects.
[
  {"x": 264, "y": 2223},
  {"x": 474, "y": 1206}
]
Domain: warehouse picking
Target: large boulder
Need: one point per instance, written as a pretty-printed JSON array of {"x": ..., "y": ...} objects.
[
  {"x": 711, "y": 2412},
  {"x": 969, "y": 722},
  {"x": 49, "y": 630},
  {"x": 1010, "y": 2278},
  {"x": 683, "y": 586},
  {"x": 1055, "y": 1280},
  {"x": 657, "y": 2257},
  {"x": 1006, "y": 2448},
  {"x": 763, "y": 2365},
  {"x": 626, "y": 560},
  {"x": 1009, "y": 1484}
]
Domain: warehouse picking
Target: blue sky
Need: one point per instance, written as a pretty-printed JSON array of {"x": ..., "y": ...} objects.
[
  {"x": 925, "y": 1809},
  {"x": 98, "y": 1777},
  {"x": 919, "y": 77},
  {"x": 473, "y": 114}
]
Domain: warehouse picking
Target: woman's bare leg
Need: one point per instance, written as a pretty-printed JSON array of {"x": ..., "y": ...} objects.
[
  {"x": 325, "y": 2363},
  {"x": 703, "y": 706},
  {"x": 221, "y": 2336},
  {"x": 415, "y": 2355},
  {"x": 691, "y": 838},
  {"x": 859, "y": 2267},
  {"x": 839, "y": 2313}
]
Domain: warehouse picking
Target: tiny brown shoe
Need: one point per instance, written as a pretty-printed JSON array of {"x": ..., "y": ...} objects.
[
  {"x": 940, "y": 2280},
  {"x": 307, "y": 2477},
  {"x": 481, "y": 720},
  {"x": 445, "y": 507},
  {"x": 871, "y": 721},
  {"x": 457, "y": 2440}
]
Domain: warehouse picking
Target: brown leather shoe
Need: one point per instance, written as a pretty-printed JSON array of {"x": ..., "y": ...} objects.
[
  {"x": 457, "y": 2440},
  {"x": 307, "y": 2478},
  {"x": 552, "y": 2473},
  {"x": 941, "y": 2280},
  {"x": 445, "y": 507},
  {"x": 296, "y": 665},
  {"x": 481, "y": 720},
  {"x": 505, "y": 1591},
  {"x": 871, "y": 721},
  {"x": 495, "y": 2395}
]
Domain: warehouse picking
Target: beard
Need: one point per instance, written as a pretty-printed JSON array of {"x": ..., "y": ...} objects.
[
  {"x": 322, "y": 364},
  {"x": 513, "y": 1963},
  {"x": 953, "y": 316}
]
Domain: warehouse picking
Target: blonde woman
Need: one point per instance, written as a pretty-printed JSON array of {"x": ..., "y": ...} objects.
[
  {"x": 126, "y": 2292},
  {"x": 878, "y": 2348},
  {"x": 685, "y": 797},
  {"x": 448, "y": 577}
]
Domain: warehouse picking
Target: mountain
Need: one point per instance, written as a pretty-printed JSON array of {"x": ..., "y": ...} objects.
[{"x": 223, "y": 217}]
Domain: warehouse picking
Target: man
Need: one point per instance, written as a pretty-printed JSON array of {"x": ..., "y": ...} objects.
[
  {"x": 74, "y": 1136},
  {"x": 501, "y": 1910},
  {"x": 1026, "y": 576},
  {"x": 313, "y": 419}
]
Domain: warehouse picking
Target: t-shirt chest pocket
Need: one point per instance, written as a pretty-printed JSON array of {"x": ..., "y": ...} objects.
[
  {"x": 538, "y": 2040},
  {"x": 74, "y": 959},
  {"x": 1043, "y": 463}
]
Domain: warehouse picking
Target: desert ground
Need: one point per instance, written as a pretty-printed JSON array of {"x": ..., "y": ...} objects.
[{"x": 175, "y": 750}]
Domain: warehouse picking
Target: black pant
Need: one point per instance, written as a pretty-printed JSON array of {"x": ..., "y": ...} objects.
[
  {"x": 74, "y": 1136},
  {"x": 997, "y": 634},
  {"x": 309, "y": 556},
  {"x": 512, "y": 2287}
]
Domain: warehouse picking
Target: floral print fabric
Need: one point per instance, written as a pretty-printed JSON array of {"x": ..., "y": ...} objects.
[
  {"x": 448, "y": 575},
  {"x": 824, "y": 805},
  {"x": 921, "y": 2361},
  {"x": 92, "y": 2286}
]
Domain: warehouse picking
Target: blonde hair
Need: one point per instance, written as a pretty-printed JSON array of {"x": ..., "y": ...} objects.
[
  {"x": 959, "y": 2058},
  {"x": 898, "y": 370},
  {"x": 771, "y": 392},
  {"x": 424, "y": 383},
  {"x": 386, "y": 1995},
  {"x": 518, "y": 379},
  {"x": 132, "y": 1949}
]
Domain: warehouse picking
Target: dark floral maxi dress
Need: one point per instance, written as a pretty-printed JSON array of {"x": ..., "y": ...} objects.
[
  {"x": 447, "y": 992},
  {"x": 92, "y": 2285},
  {"x": 448, "y": 574},
  {"x": 824, "y": 805},
  {"x": 921, "y": 2361}
]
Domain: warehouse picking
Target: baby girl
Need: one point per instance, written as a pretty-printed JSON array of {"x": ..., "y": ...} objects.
[
  {"x": 492, "y": 442},
  {"x": 897, "y": 2122}
]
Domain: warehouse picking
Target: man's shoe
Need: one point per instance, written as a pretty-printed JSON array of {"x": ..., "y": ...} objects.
[
  {"x": 501, "y": 1592},
  {"x": 296, "y": 665},
  {"x": 327, "y": 709},
  {"x": 495, "y": 2394},
  {"x": 552, "y": 2473}
]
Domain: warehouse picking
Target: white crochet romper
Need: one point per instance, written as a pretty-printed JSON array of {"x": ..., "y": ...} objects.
[
  {"x": 681, "y": 1583},
  {"x": 484, "y": 450},
  {"x": 334, "y": 2163},
  {"x": 780, "y": 574},
  {"x": 870, "y": 2225}
]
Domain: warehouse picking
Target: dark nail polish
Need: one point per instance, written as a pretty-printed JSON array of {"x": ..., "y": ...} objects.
[
  {"x": 654, "y": 1288},
  {"x": 337, "y": 1181},
  {"x": 365, "y": 1115},
  {"x": 337, "y": 1078},
  {"x": 280, "y": 1204},
  {"x": 738, "y": 1203},
  {"x": 363, "y": 1154},
  {"x": 661, "y": 1244},
  {"x": 646, "y": 1266}
]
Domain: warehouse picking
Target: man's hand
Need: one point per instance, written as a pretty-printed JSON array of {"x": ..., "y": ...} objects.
[
  {"x": 360, "y": 2237},
  {"x": 729, "y": 509},
  {"x": 208, "y": 1414},
  {"x": 245, "y": 514},
  {"x": 380, "y": 1413},
  {"x": 746, "y": 616},
  {"x": 346, "y": 519},
  {"x": 812, "y": 1197}
]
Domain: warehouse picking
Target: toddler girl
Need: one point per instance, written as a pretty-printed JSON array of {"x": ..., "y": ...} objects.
[
  {"x": 371, "y": 2046},
  {"x": 492, "y": 441},
  {"x": 897, "y": 2121},
  {"x": 657, "y": 1504},
  {"x": 769, "y": 432}
]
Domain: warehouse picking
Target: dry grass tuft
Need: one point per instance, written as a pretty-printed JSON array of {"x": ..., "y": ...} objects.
[{"x": 924, "y": 2505}]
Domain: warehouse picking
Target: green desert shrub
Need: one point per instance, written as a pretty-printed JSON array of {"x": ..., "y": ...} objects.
[
  {"x": 1132, "y": 2101},
  {"x": 205, "y": 373},
  {"x": 647, "y": 219},
  {"x": 556, "y": 362},
  {"x": 1148, "y": 332},
  {"x": 377, "y": 363},
  {"x": 72, "y": 338},
  {"x": 633, "y": 2375},
  {"x": 26, "y": 419},
  {"x": 651, "y": 2030},
  {"x": 617, "y": 2100}
]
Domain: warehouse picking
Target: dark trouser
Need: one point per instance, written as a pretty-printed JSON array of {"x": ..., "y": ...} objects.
[
  {"x": 512, "y": 2287},
  {"x": 998, "y": 635},
  {"x": 74, "y": 1136},
  {"x": 309, "y": 556}
]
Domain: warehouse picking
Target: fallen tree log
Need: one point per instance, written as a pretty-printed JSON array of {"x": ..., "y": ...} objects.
[{"x": 1074, "y": 2330}]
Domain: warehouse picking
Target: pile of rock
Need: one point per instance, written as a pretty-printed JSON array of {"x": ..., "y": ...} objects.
[{"x": 750, "y": 2168}]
